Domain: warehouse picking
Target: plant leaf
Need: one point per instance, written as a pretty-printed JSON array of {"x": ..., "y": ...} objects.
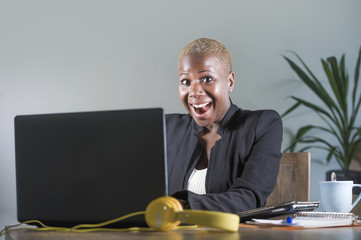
[
  {"x": 357, "y": 72},
  {"x": 296, "y": 105},
  {"x": 315, "y": 87},
  {"x": 332, "y": 79},
  {"x": 341, "y": 85},
  {"x": 302, "y": 131},
  {"x": 314, "y": 108},
  {"x": 355, "y": 112},
  {"x": 330, "y": 154},
  {"x": 344, "y": 75}
]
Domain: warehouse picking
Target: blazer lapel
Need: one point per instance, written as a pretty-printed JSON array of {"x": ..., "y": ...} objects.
[{"x": 180, "y": 166}]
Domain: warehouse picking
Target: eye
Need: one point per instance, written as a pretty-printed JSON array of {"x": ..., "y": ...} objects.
[
  {"x": 185, "y": 82},
  {"x": 207, "y": 79}
]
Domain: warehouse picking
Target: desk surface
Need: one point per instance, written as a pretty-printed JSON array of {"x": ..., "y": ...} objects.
[{"x": 244, "y": 233}]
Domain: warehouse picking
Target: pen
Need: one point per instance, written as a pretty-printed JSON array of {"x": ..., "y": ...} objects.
[{"x": 288, "y": 220}]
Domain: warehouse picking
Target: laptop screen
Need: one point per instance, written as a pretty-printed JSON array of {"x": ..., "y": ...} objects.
[{"x": 89, "y": 167}]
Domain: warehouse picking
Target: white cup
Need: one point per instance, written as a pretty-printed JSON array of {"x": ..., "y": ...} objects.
[{"x": 336, "y": 196}]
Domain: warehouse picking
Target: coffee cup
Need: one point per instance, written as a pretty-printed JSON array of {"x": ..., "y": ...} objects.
[{"x": 336, "y": 196}]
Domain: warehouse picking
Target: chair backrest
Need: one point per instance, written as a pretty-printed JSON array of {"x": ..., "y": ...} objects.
[{"x": 293, "y": 181}]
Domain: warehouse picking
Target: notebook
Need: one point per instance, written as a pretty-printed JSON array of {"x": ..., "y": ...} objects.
[
  {"x": 89, "y": 167},
  {"x": 311, "y": 220}
]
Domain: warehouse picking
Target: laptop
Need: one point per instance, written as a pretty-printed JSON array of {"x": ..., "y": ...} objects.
[
  {"x": 287, "y": 208},
  {"x": 89, "y": 167}
]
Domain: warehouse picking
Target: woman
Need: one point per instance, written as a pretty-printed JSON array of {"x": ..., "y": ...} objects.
[{"x": 220, "y": 157}]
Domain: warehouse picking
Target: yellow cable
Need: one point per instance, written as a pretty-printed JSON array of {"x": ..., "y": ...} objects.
[
  {"x": 107, "y": 222},
  {"x": 83, "y": 227},
  {"x": 77, "y": 228}
]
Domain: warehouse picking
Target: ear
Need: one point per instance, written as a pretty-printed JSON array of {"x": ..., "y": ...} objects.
[{"x": 230, "y": 80}]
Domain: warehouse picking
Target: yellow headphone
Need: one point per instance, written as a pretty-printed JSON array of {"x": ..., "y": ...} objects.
[
  {"x": 165, "y": 213},
  {"x": 162, "y": 214}
]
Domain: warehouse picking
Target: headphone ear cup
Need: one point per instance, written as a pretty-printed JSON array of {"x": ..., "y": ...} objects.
[
  {"x": 221, "y": 220},
  {"x": 165, "y": 213},
  {"x": 161, "y": 213}
]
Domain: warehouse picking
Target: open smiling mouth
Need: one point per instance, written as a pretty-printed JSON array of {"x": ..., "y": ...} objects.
[{"x": 201, "y": 109}]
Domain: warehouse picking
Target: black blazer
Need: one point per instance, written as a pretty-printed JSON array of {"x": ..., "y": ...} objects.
[{"x": 243, "y": 165}]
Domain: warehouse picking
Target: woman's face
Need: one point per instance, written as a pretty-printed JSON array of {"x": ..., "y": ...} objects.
[{"x": 204, "y": 88}]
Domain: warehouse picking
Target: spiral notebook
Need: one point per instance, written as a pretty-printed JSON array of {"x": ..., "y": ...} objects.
[{"x": 312, "y": 220}]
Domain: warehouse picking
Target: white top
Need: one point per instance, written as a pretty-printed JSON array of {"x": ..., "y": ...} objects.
[{"x": 197, "y": 181}]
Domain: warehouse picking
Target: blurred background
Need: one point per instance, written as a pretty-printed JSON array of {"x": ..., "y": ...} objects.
[{"x": 87, "y": 55}]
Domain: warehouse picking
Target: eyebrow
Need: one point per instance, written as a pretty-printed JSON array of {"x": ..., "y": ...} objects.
[{"x": 202, "y": 71}]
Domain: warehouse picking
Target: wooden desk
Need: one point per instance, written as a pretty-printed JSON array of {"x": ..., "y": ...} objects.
[{"x": 245, "y": 233}]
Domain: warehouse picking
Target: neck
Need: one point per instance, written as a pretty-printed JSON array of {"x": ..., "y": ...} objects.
[{"x": 211, "y": 128}]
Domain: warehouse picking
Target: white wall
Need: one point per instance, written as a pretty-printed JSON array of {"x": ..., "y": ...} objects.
[{"x": 61, "y": 56}]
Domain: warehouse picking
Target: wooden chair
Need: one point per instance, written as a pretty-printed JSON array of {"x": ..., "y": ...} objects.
[{"x": 293, "y": 181}]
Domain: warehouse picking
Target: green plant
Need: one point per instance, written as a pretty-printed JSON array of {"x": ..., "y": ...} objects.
[{"x": 339, "y": 110}]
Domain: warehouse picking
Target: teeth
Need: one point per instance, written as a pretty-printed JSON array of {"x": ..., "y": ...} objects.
[{"x": 200, "y": 105}]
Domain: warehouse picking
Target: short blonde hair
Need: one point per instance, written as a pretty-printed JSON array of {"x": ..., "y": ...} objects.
[{"x": 207, "y": 46}]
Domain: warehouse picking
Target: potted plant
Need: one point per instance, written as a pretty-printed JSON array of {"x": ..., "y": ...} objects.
[{"x": 339, "y": 109}]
